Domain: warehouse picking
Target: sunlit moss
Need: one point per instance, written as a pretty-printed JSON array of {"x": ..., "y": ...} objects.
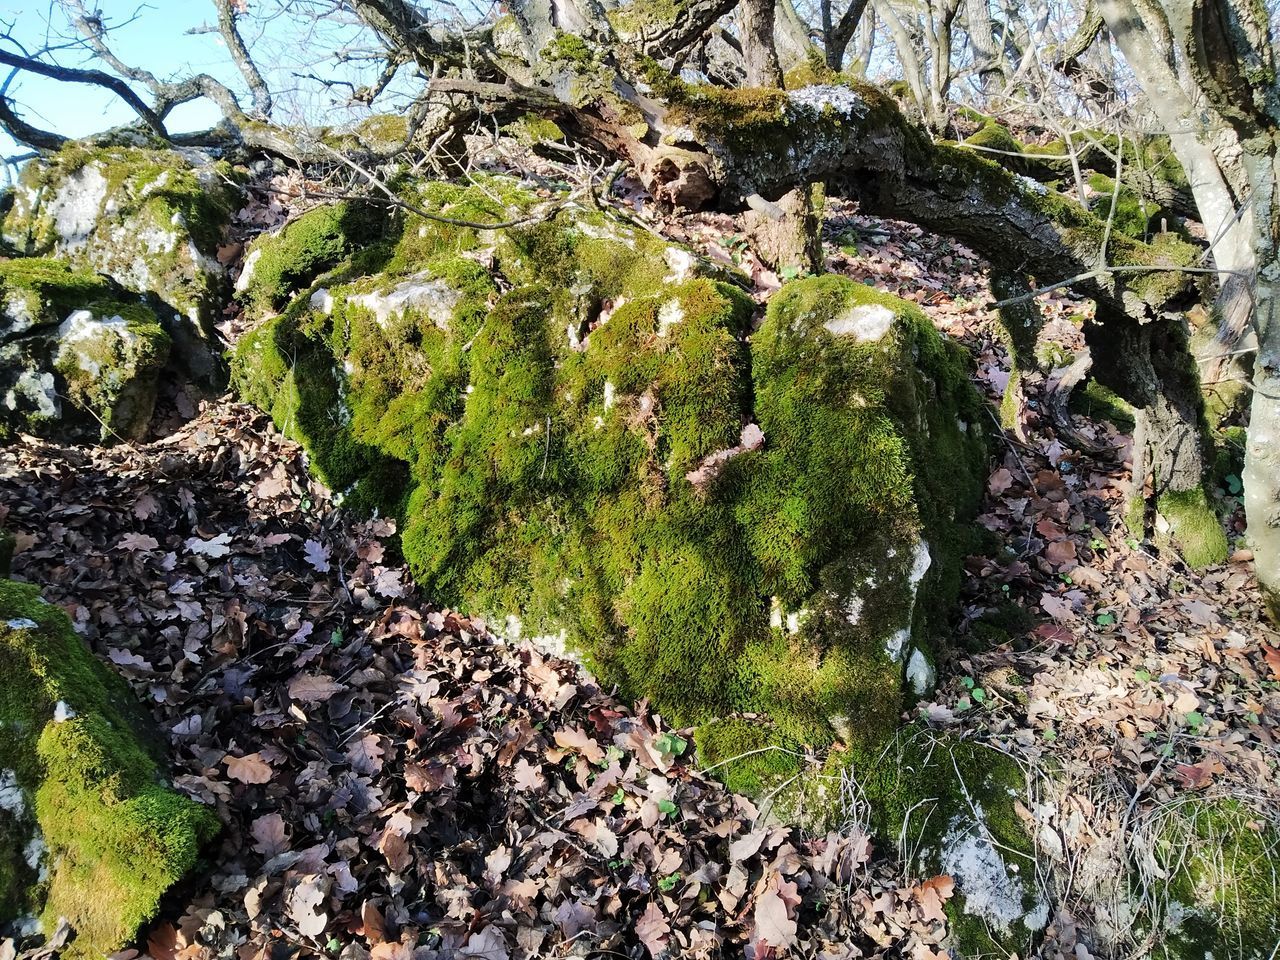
[{"x": 117, "y": 837}]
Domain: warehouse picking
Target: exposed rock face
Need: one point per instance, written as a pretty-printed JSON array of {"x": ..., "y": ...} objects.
[
  {"x": 79, "y": 357},
  {"x": 592, "y": 448},
  {"x": 88, "y": 831},
  {"x": 151, "y": 220}
]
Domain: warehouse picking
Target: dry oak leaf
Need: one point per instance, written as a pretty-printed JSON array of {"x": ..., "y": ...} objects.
[
  {"x": 312, "y": 688},
  {"x": 652, "y": 929},
  {"x": 488, "y": 944},
  {"x": 773, "y": 925},
  {"x": 306, "y": 904},
  {"x": 214, "y": 549},
  {"x": 575, "y": 738},
  {"x": 931, "y": 895},
  {"x": 1272, "y": 656},
  {"x": 1061, "y": 552},
  {"x": 317, "y": 555},
  {"x": 137, "y": 541},
  {"x": 1056, "y": 607},
  {"x": 1000, "y": 481},
  {"x": 248, "y": 769},
  {"x": 270, "y": 837}
]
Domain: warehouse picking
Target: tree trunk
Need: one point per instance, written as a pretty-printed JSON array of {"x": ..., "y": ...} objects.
[
  {"x": 787, "y": 235},
  {"x": 1262, "y": 448},
  {"x": 756, "y": 18},
  {"x": 981, "y": 40}
]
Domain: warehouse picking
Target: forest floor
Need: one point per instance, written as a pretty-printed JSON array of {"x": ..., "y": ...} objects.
[{"x": 394, "y": 782}]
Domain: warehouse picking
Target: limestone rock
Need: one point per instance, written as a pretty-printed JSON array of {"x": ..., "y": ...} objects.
[
  {"x": 79, "y": 357},
  {"x": 591, "y": 447},
  {"x": 88, "y": 829},
  {"x": 151, "y": 220}
]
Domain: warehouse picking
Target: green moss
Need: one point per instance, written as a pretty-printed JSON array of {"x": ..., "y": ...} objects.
[
  {"x": 1100, "y": 403},
  {"x": 117, "y": 837},
  {"x": 1194, "y": 527},
  {"x": 994, "y": 136},
  {"x": 748, "y": 756},
  {"x": 532, "y": 129},
  {"x": 1221, "y": 860},
  {"x": 384, "y": 129},
  {"x": 548, "y": 419},
  {"x": 1133, "y": 214},
  {"x": 317, "y": 241}
]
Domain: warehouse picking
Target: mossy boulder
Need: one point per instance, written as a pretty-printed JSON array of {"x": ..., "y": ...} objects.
[
  {"x": 591, "y": 446},
  {"x": 79, "y": 356},
  {"x": 88, "y": 829},
  {"x": 152, "y": 220},
  {"x": 948, "y": 807},
  {"x": 1220, "y": 863}
]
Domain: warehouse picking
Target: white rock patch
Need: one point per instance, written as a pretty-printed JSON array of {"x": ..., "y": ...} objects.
[
  {"x": 920, "y": 672},
  {"x": 11, "y": 797},
  {"x": 436, "y": 298},
  {"x": 62, "y": 713},
  {"x": 989, "y": 890},
  {"x": 82, "y": 328},
  {"x": 246, "y": 271},
  {"x": 76, "y": 208},
  {"x": 322, "y": 300},
  {"x": 38, "y": 388},
  {"x": 828, "y": 96},
  {"x": 609, "y": 397},
  {"x": 920, "y": 561},
  {"x": 865, "y": 322},
  {"x": 22, "y": 623},
  {"x": 669, "y": 314},
  {"x": 680, "y": 262}
]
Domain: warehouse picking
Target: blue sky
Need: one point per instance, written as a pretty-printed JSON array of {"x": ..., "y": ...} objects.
[
  {"x": 155, "y": 34},
  {"x": 157, "y": 38}
]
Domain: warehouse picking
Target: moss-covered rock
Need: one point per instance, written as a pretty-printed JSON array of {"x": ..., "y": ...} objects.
[
  {"x": 590, "y": 447},
  {"x": 150, "y": 219},
  {"x": 88, "y": 829},
  {"x": 79, "y": 357},
  {"x": 1220, "y": 862},
  {"x": 948, "y": 806}
]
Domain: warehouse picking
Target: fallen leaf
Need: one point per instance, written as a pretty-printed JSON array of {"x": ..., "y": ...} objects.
[
  {"x": 652, "y": 929},
  {"x": 248, "y": 769}
]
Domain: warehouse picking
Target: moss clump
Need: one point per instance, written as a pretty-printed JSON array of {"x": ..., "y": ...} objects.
[
  {"x": 949, "y": 806},
  {"x": 281, "y": 263},
  {"x": 1100, "y": 403},
  {"x": 1194, "y": 527},
  {"x": 747, "y": 755},
  {"x": 1221, "y": 861},
  {"x": 116, "y": 837},
  {"x": 554, "y": 394},
  {"x": 994, "y": 136},
  {"x": 1133, "y": 214},
  {"x": 79, "y": 357}
]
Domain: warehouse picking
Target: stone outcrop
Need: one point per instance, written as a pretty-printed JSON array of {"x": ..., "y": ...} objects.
[
  {"x": 152, "y": 220},
  {"x": 89, "y": 832},
  {"x": 592, "y": 446},
  {"x": 79, "y": 356}
]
